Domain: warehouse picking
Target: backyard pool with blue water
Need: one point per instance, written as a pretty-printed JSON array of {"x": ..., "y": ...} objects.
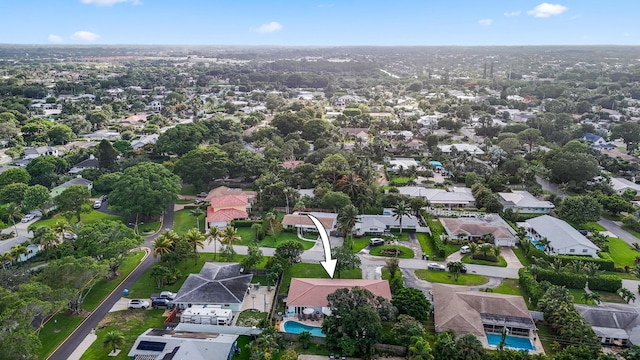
[
  {"x": 296, "y": 328},
  {"x": 512, "y": 342},
  {"x": 535, "y": 243}
]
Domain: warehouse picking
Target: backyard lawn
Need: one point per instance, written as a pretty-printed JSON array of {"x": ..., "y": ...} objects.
[
  {"x": 303, "y": 270},
  {"x": 86, "y": 218},
  {"x": 425, "y": 244},
  {"x": 468, "y": 260},
  {"x": 605, "y": 296},
  {"x": 621, "y": 252},
  {"x": 511, "y": 287},
  {"x": 248, "y": 236},
  {"x": 61, "y": 325},
  {"x": 362, "y": 242},
  {"x": 445, "y": 277}
]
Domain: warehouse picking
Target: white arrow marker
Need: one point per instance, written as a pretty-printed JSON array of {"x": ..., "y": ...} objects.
[{"x": 329, "y": 264}]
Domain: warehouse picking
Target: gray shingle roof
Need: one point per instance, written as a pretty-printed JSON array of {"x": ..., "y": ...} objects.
[{"x": 216, "y": 283}]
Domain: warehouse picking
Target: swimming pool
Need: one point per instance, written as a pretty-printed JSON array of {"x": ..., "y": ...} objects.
[
  {"x": 535, "y": 243},
  {"x": 295, "y": 327},
  {"x": 512, "y": 342}
]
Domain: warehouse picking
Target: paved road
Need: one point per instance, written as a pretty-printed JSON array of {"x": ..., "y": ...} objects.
[
  {"x": 550, "y": 187},
  {"x": 65, "y": 350}
]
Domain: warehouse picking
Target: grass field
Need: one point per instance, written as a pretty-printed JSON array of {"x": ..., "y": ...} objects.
[
  {"x": 520, "y": 254},
  {"x": 405, "y": 252},
  {"x": 61, "y": 325},
  {"x": 631, "y": 231},
  {"x": 85, "y": 218},
  {"x": 605, "y": 296},
  {"x": 303, "y": 270},
  {"x": 511, "y": 287},
  {"x": 183, "y": 221},
  {"x": 148, "y": 228},
  {"x": 621, "y": 252},
  {"x": 131, "y": 323},
  {"x": 248, "y": 236},
  {"x": 468, "y": 260},
  {"x": 445, "y": 277},
  {"x": 425, "y": 244}
]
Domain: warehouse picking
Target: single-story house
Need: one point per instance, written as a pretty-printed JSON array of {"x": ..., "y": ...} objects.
[
  {"x": 620, "y": 185},
  {"x": 469, "y": 148},
  {"x": 525, "y": 203},
  {"x": 480, "y": 313},
  {"x": 302, "y": 223},
  {"x": 144, "y": 140},
  {"x": 103, "y": 134},
  {"x": 401, "y": 163},
  {"x": 379, "y": 224},
  {"x": 563, "y": 238},
  {"x": 455, "y": 197},
  {"x": 32, "y": 153},
  {"x": 614, "y": 324},
  {"x": 474, "y": 228},
  {"x": 75, "y": 181},
  {"x": 158, "y": 344},
  {"x": 9, "y": 244},
  {"x": 594, "y": 139},
  {"x": 217, "y": 284},
  {"x": 312, "y": 293},
  {"x": 90, "y": 163}
]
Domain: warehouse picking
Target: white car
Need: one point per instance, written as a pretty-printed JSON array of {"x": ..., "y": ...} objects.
[
  {"x": 28, "y": 218},
  {"x": 435, "y": 266},
  {"x": 69, "y": 236},
  {"x": 97, "y": 204},
  {"x": 465, "y": 249},
  {"x": 138, "y": 304},
  {"x": 376, "y": 242}
]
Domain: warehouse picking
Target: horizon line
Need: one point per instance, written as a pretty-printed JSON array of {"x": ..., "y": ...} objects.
[{"x": 302, "y": 46}]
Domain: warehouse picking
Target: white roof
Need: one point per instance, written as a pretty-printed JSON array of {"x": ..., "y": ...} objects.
[
  {"x": 618, "y": 184},
  {"x": 523, "y": 199},
  {"x": 387, "y": 220},
  {"x": 472, "y": 149},
  {"x": 439, "y": 196},
  {"x": 560, "y": 234}
]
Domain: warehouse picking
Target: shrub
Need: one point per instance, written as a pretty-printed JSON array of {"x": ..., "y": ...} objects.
[
  {"x": 603, "y": 263},
  {"x": 610, "y": 283},
  {"x": 530, "y": 286},
  {"x": 567, "y": 279}
]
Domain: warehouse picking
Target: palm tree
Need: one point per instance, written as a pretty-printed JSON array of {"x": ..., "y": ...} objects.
[
  {"x": 229, "y": 236},
  {"x": 545, "y": 243},
  {"x": 48, "y": 240},
  {"x": 455, "y": 267},
  {"x": 271, "y": 218},
  {"x": 18, "y": 250},
  {"x": 7, "y": 257},
  {"x": 591, "y": 297},
  {"x": 557, "y": 265},
  {"x": 196, "y": 239},
  {"x": 420, "y": 349},
  {"x": 496, "y": 251},
  {"x": 470, "y": 346},
  {"x": 347, "y": 220},
  {"x": 473, "y": 249},
  {"x": 60, "y": 228},
  {"x": 304, "y": 338},
  {"x": 196, "y": 212},
  {"x": 213, "y": 235},
  {"x": 164, "y": 243},
  {"x": 114, "y": 339},
  {"x": 14, "y": 212},
  {"x": 400, "y": 211},
  {"x": 626, "y": 295}
]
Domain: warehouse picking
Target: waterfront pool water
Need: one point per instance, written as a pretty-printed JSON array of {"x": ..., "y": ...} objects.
[
  {"x": 295, "y": 327},
  {"x": 512, "y": 342},
  {"x": 535, "y": 243}
]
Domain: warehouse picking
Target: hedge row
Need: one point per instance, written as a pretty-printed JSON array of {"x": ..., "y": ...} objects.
[
  {"x": 530, "y": 286},
  {"x": 570, "y": 280},
  {"x": 438, "y": 245},
  {"x": 243, "y": 223},
  {"x": 610, "y": 283},
  {"x": 603, "y": 264}
]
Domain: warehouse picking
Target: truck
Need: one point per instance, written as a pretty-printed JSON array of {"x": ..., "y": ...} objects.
[{"x": 163, "y": 295}]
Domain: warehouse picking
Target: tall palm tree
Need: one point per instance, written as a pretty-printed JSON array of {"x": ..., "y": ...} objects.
[
  {"x": 18, "y": 250},
  {"x": 213, "y": 235},
  {"x": 164, "y": 243},
  {"x": 48, "y": 240},
  {"x": 496, "y": 251},
  {"x": 347, "y": 219},
  {"x": 14, "y": 212},
  {"x": 557, "y": 265},
  {"x": 196, "y": 239},
  {"x": 400, "y": 211},
  {"x": 591, "y": 297},
  {"x": 470, "y": 346},
  {"x": 60, "y": 227},
  {"x": 114, "y": 339},
  {"x": 196, "y": 212},
  {"x": 7, "y": 257},
  {"x": 455, "y": 267},
  {"x": 229, "y": 236}
]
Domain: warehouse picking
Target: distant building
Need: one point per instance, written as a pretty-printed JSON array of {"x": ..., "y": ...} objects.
[
  {"x": 90, "y": 163},
  {"x": 75, "y": 181},
  {"x": 469, "y": 148},
  {"x": 525, "y": 203},
  {"x": 614, "y": 324},
  {"x": 33, "y": 153},
  {"x": 380, "y": 224}
]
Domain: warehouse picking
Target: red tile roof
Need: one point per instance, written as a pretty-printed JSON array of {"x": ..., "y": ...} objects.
[
  {"x": 228, "y": 201},
  {"x": 313, "y": 292},
  {"x": 225, "y": 215}
]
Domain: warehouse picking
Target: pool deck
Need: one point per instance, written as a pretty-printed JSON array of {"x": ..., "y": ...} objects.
[{"x": 539, "y": 349}]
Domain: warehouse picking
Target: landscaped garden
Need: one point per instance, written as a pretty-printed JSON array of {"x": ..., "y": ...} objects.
[
  {"x": 445, "y": 277},
  {"x": 468, "y": 259},
  {"x": 248, "y": 236},
  {"x": 399, "y": 251},
  {"x": 251, "y": 318}
]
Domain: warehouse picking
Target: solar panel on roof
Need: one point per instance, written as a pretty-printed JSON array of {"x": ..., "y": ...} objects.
[{"x": 151, "y": 346}]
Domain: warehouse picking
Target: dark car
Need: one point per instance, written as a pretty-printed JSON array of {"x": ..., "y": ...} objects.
[
  {"x": 161, "y": 302},
  {"x": 464, "y": 269}
]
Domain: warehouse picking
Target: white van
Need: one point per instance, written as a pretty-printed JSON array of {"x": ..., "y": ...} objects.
[{"x": 465, "y": 249}]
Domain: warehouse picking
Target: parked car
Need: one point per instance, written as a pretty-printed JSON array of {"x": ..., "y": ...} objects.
[
  {"x": 138, "y": 304},
  {"x": 28, "y": 218},
  {"x": 161, "y": 302},
  {"x": 465, "y": 249},
  {"x": 104, "y": 197},
  {"x": 97, "y": 204},
  {"x": 376, "y": 242},
  {"x": 464, "y": 269},
  {"x": 164, "y": 295},
  {"x": 202, "y": 194},
  {"x": 436, "y": 266},
  {"x": 69, "y": 236}
]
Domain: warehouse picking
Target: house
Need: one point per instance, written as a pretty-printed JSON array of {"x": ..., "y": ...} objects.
[
  {"x": 379, "y": 224},
  {"x": 525, "y": 203},
  {"x": 312, "y": 293},
  {"x": 563, "y": 238},
  {"x": 90, "y": 163},
  {"x": 455, "y": 197},
  {"x": 218, "y": 285},
  {"x": 228, "y": 204},
  {"x": 594, "y": 139},
  {"x": 620, "y": 185},
  {"x": 469, "y": 148},
  {"x": 103, "y": 135},
  {"x": 158, "y": 344},
  {"x": 356, "y": 133},
  {"x": 9, "y": 244},
  {"x": 302, "y": 223},
  {"x": 75, "y": 181},
  {"x": 614, "y": 324},
  {"x": 144, "y": 140},
  {"x": 474, "y": 229},
  {"x": 399, "y": 164},
  {"x": 33, "y": 153},
  {"x": 482, "y": 314},
  {"x": 155, "y": 105},
  {"x": 206, "y": 314}
]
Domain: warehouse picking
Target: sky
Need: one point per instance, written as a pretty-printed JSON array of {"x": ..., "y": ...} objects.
[{"x": 320, "y": 23}]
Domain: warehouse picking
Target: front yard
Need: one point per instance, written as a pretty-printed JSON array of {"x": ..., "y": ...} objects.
[
  {"x": 86, "y": 218},
  {"x": 445, "y": 277},
  {"x": 468, "y": 260}
]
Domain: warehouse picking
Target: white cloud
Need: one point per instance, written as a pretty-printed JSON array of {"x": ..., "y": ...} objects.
[
  {"x": 109, "y": 2},
  {"x": 485, "y": 22},
  {"x": 546, "y": 10},
  {"x": 84, "y": 36},
  {"x": 512, "y": 13},
  {"x": 54, "y": 38},
  {"x": 270, "y": 27}
]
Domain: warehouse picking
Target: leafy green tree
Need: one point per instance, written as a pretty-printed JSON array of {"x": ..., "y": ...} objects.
[
  {"x": 253, "y": 257},
  {"x": 580, "y": 209},
  {"x": 412, "y": 302},
  {"x": 14, "y": 175},
  {"x": 335, "y": 200},
  {"x": 202, "y": 165},
  {"x": 36, "y": 197},
  {"x": 73, "y": 199},
  {"x": 14, "y": 193},
  {"x": 98, "y": 118},
  {"x": 146, "y": 188},
  {"x": 160, "y": 274},
  {"x": 290, "y": 250},
  {"x": 530, "y": 137},
  {"x": 36, "y": 131},
  {"x": 105, "y": 182},
  {"x": 61, "y": 134},
  {"x": 107, "y": 155},
  {"x": 569, "y": 166},
  {"x": 78, "y": 124},
  {"x": 181, "y": 139},
  {"x": 470, "y": 348},
  {"x": 406, "y": 328},
  {"x": 629, "y": 132},
  {"x": 122, "y": 146},
  {"x": 346, "y": 259},
  {"x": 287, "y": 122},
  {"x": 44, "y": 170}
]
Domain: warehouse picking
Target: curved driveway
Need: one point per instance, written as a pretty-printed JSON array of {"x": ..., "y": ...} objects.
[{"x": 91, "y": 321}]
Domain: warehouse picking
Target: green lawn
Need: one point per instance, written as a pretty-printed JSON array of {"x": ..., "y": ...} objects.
[
  {"x": 592, "y": 226},
  {"x": 148, "y": 228},
  {"x": 400, "y": 180},
  {"x": 621, "y": 252},
  {"x": 248, "y": 236},
  {"x": 360, "y": 243},
  {"x": 183, "y": 221},
  {"x": 146, "y": 285},
  {"x": 446, "y": 277},
  {"x": 425, "y": 244},
  {"x": 468, "y": 260},
  {"x": 61, "y": 325},
  {"x": 405, "y": 252},
  {"x": 606, "y": 296},
  {"x": 304, "y": 270},
  {"x": 631, "y": 231},
  {"x": 188, "y": 190},
  {"x": 512, "y": 287},
  {"x": 85, "y": 218},
  {"x": 250, "y": 318},
  {"x": 131, "y": 323},
  {"x": 520, "y": 254}
]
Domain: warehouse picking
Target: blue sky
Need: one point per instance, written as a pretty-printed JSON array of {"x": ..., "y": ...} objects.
[{"x": 324, "y": 22}]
